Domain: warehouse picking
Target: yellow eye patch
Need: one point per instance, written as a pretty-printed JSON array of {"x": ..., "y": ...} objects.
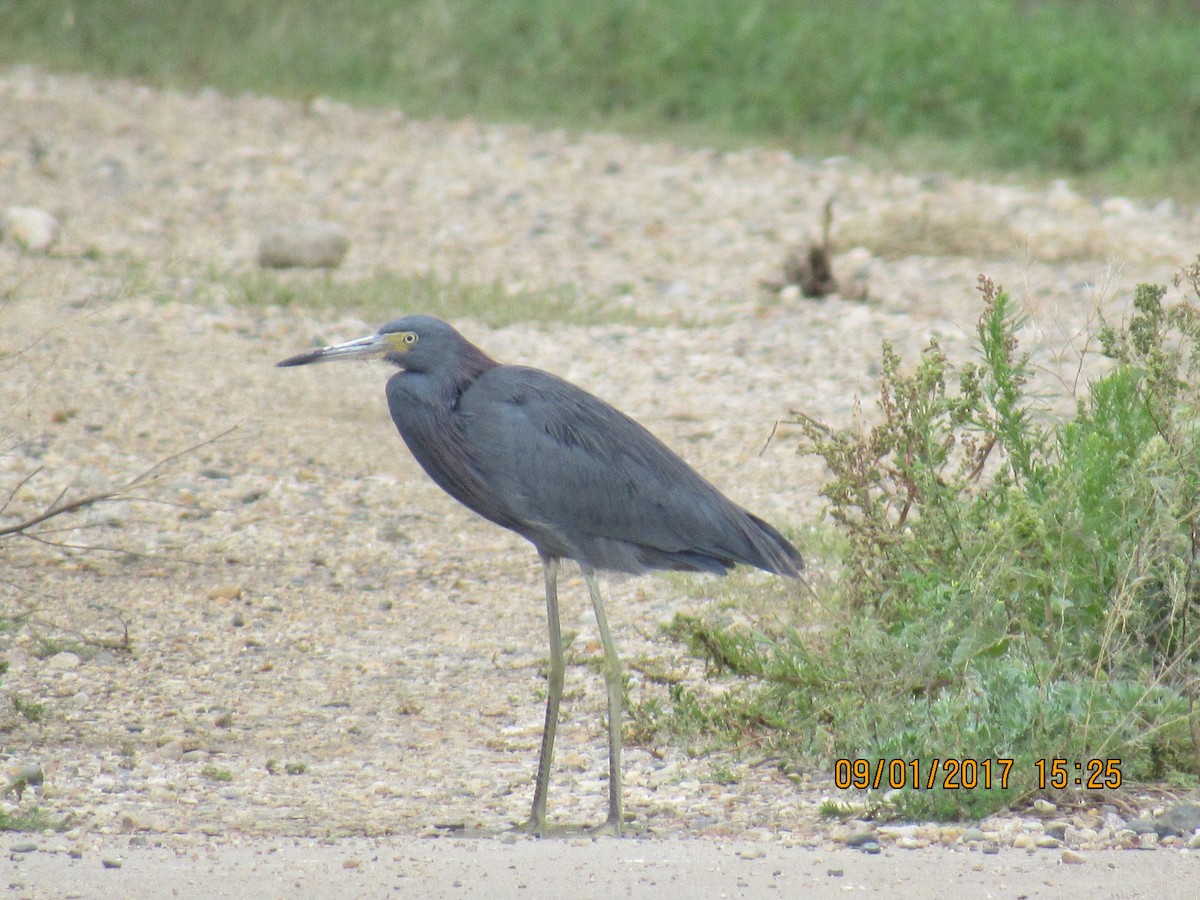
[{"x": 402, "y": 341}]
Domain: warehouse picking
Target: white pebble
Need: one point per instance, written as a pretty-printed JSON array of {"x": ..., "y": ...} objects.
[{"x": 34, "y": 229}]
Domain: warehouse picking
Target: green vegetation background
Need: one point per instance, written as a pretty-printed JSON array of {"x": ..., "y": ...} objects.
[{"x": 1108, "y": 89}]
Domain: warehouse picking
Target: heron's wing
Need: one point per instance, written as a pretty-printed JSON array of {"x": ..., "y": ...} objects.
[{"x": 587, "y": 482}]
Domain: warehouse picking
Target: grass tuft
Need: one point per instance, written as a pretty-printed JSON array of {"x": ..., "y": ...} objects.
[{"x": 35, "y": 819}]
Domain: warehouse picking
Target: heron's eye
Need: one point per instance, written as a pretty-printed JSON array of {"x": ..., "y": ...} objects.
[{"x": 410, "y": 338}]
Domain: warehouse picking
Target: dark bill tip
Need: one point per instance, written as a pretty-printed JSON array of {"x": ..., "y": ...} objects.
[{"x": 300, "y": 359}]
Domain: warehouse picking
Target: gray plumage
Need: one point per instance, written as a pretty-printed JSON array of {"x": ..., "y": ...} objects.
[{"x": 572, "y": 474}]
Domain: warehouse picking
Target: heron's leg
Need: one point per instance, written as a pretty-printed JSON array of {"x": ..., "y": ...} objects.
[
  {"x": 616, "y": 716},
  {"x": 537, "y": 820}
]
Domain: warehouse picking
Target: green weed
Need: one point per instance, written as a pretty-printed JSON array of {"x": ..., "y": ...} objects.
[
  {"x": 1013, "y": 586},
  {"x": 34, "y": 819},
  {"x": 29, "y": 710}
]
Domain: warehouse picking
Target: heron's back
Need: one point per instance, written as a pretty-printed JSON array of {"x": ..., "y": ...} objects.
[{"x": 582, "y": 480}]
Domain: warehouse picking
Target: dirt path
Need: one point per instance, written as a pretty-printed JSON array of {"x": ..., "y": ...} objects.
[{"x": 325, "y": 646}]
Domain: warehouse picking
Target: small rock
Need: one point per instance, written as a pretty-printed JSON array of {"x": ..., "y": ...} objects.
[
  {"x": 30, "y": 773},
  {"x": 1114, "y": 822},
  {"x": 858, "y": 838},
  {"x": 973, "y": 835},
  {"x": 1143, "y": 826},
  {"x": 1046, "y": 842},
  {"x": 1178, "y": 820},
  {"x": 1044, "y": 806},
  {"x": 911, "y": 843},
  {"x": 111, "y": 862},
  {"x": 311, "y": 245},
  {"x": 34, "y": 229},
  {"x": 63, "y": 661},
  {"x": 991, "y": 848},
  {"x": 856, "y": 260},
  {"x": 1082, "y": 835},
  {"x": 835, "y": 873},
  {"x": 1194, "y": 841},
  {"x": 1147, "y": 841},
  {"x": 1057, "y": 829},
  {"x": 871, "y": 847},
  {"x": 930, "y": 833},
  {"x": 1073, "y": 857},
  {"x": 26, "y": 777},
  {"x": 1125, "y": 838},
  {"x": 896, "y": 832},
  {"x": 24, "y": 847}
]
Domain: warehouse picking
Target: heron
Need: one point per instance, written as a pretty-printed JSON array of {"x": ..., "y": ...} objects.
[{"x": 571, "y": 474}]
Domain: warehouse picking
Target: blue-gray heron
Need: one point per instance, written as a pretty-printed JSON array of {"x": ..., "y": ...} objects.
[{"x": 573, "y": 475}]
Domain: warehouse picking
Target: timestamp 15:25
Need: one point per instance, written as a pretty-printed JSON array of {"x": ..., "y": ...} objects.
[{"x": 1094, "y": 775}]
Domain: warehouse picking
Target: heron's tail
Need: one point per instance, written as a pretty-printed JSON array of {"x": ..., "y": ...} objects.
[{"x": 774, "y": 553}]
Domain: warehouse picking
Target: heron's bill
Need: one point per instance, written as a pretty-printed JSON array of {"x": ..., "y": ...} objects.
[{"x": 373, "y": 346}]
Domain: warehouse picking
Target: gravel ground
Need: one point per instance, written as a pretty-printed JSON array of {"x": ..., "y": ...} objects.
[{"x": 326, "y": 647}]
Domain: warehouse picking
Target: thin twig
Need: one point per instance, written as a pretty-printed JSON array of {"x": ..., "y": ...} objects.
[
  {"x": 58, "y": 508},
  {"x": 770, "y": 437},
  {"x": 120, "y": 551},
  {"x": 16, "y": 489}
]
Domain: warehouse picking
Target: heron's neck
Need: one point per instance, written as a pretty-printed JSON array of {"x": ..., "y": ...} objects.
[
  {"x": 472, "y": 363},
  {"x": 442, "y": 391}
]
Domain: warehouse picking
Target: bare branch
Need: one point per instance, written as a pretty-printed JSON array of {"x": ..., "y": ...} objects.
[
  {"x": 58, "y": 508},
  {"x": 101, "y": 548}
]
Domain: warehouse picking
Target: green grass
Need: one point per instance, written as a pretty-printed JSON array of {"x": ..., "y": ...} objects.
[
  {"x": 1108, "y": 88},
  {"x": 29, "y": 710},
  {"x": 1013, "y": 585},
  {"x": 35, "y": 819},
  {"x": 388, "y": 294}
]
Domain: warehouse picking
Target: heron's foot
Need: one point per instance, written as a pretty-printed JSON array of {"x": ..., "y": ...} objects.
[
  {"x": 530, "y": 826},
  {"x": 609, "y": 827}
]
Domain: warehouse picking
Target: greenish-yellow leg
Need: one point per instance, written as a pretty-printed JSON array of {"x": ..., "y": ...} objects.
[
  {"x": 537, "y": 819},
  {"x": 612, "y": 683}
]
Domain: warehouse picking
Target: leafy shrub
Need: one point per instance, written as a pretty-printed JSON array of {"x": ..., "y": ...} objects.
[{"x": 1013, "y": 586}]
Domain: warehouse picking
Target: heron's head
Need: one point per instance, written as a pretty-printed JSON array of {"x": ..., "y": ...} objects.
[{"x": 414, "y": 343}]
